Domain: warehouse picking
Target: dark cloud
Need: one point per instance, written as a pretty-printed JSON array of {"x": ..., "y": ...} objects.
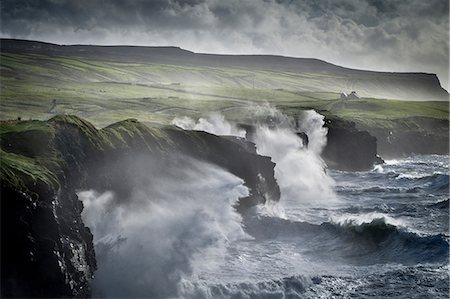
[{"x": 373, "y": 34}]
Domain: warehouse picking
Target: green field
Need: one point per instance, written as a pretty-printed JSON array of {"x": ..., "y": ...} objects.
[{"x": 105, "y": 92}]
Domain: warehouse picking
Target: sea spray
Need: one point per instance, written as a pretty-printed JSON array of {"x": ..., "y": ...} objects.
[
  {"x": 214, "y": 123},
  {"x": 300, "y": 171},
  {"x": 147, "y": 243},
  {"x": 312, "y": 123}
]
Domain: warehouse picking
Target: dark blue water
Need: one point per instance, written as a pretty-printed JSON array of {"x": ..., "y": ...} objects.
[{"x": 385, "y": 234}]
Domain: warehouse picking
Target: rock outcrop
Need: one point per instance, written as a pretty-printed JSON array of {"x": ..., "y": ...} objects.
[
  {"x": 349, "y": 148},
  {"x": 414, "y": 135},
  {"x": 46, "y": 250}
]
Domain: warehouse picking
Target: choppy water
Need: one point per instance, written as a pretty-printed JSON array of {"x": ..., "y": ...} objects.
[
  {"x": 386, "y": 235},
  {"x": 375, "y": 234}
]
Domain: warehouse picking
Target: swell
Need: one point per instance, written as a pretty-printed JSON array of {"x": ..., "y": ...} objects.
[
  {"x": 441, "y": 205},
  {"x": 405, "y": 282},
  {"x": 367, "y": 243},
  {"x": 434, "y": 183},
  {"x": 437, "y": 182},
  {"x": 406, "y": 208},
  {"x": 285, "y": 287}
]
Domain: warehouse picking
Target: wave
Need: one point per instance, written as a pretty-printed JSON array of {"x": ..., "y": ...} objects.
[
  {"x": 377, "y": 189},
  {"x": 434, "y": 183},
  {"x": 377, "y": 240},
  {"x": 437, "y": 176},
  {"x": 287, "y": 287},
  {"x": 437, "y": 182},
  {"x": 406, "y": 282},
  {"x": 431, "y": 184},
  {"x": 444, "y": 204},
  {"x": 380, "y": 240}
]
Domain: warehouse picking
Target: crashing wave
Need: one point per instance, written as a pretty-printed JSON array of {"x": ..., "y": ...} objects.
[{"x": 371, "y": 241}]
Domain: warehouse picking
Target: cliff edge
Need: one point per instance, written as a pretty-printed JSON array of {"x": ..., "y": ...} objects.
[{"x": 46, "y": 249}]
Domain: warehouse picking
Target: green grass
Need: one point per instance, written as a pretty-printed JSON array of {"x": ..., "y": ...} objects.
[
  {"x": 20, "y": 172},
  {"x": 30, "y": 157},
  {"x": 105, "y": 92},
  {"x": 14, "y": 126}
]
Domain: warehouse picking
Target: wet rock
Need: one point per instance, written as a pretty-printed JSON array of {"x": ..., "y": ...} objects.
[{"x": 349, "y": 148}]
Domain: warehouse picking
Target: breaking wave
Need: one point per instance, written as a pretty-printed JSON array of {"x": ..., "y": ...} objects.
[
  {"x": 178, "y": 214},
  {"x": 181, "y": 218},
  {"x": 405, "y": 282},
  {"x": 364, "y": 239}
]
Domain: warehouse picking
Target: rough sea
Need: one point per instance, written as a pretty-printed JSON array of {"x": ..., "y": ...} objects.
[
  {"x": 387, "y": 236},
  {"x": 381, "y": 233}
]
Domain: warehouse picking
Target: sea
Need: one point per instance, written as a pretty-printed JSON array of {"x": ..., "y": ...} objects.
[
  {"x": 386, "y": 237},
  {"x": 379, "y": 233}
]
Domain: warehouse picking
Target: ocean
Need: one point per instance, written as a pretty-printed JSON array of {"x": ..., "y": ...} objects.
[
  {"x": 387, "y": 236},
  {"x": 381, "y": 233}
]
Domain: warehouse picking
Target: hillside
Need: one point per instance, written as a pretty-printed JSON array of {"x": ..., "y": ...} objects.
[
  {"x": 157, "y": 84},
  {"x": 255, "y": 71}
]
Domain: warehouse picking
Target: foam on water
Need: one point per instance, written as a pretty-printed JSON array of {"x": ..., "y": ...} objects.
[
  {"x": 349, "y": 219},
  {"x": 178, "y": 235}
]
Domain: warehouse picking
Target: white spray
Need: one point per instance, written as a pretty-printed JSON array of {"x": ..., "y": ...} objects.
[
  {"x": 300, "y": 171},
  {"x": 148, "y": 243},
  {"x": 215, "y": 124}
]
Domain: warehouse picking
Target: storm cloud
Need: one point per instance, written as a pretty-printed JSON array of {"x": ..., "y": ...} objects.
[{"x": 388, "y": 35}]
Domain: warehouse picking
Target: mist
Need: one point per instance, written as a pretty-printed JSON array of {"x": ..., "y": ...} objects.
[
  {"x": 300, "y": 171},
  {"x": 176, "y": 216},
  {"x": 180, "y": 214},
  {"x": 214, "y": 123}
]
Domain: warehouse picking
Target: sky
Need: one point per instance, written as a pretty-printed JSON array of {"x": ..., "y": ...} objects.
[{"x": 383, "y": 35}]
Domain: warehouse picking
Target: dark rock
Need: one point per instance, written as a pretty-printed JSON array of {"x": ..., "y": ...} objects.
[
  {"x": 304, "y": 138},
  {"x": 46, "y": 250},
  {"x": 414, "y": 135},
  {"x": 349, "y": 148}
]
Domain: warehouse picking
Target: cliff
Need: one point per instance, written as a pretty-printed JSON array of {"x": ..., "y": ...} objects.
[
  {"x": 349, "y": 148},
  {"x": 46, "y": 250},
  {"x": 411, "y": 135}
]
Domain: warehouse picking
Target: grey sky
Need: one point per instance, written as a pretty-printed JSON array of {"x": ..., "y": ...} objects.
[{"x": 387, "y": 35}]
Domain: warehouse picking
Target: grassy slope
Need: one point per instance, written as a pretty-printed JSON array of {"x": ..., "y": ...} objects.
[
  {"x": 29, "y": 157},
  {"x": 106, "y": 92},
  {"x": 33, "y": 165}
]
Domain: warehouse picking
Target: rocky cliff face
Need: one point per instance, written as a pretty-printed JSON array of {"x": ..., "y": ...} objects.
[
  {"x": 46, "y": 249},
  {"x": 414, "y": 135},
  {"x": 349, "y": 148}
]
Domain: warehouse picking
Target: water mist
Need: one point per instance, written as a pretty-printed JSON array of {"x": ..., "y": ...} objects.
[
  {"x": 147, "y": 243},
  {"x": 300, "y": 171}
]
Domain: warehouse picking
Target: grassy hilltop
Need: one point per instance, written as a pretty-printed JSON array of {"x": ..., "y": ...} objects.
[{"x": 40, "y": 80}]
